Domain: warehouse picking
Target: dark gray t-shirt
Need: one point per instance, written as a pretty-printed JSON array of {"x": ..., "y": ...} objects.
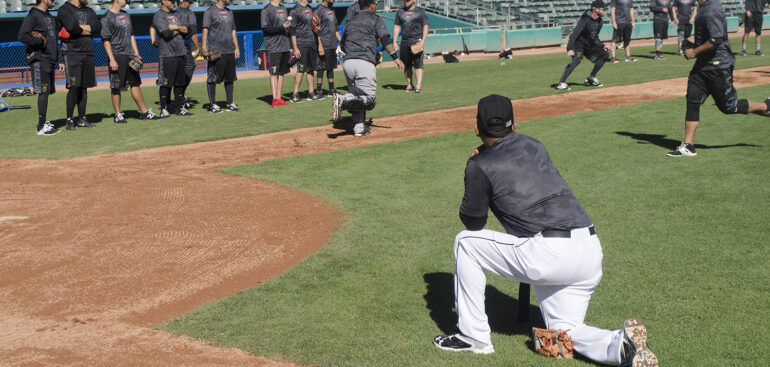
[
  {"x": 411, "y": 22},
  {"x": 117, "y": 29},
  {"x": 362, "y": 35},
  {"x": 276, "y": 37},
  {"x": 711, "y": 25},
  {"x": 657, "y": 6},
  {"x": 168, "y": 47},
  {"x": 684, "y": 9},
  {"x": 756, "y": 6},
  {"x": 187, "y": 19},
  {"x": 221, "y": 25},
  {"x": 352, "y": 12},
  {"x": 301, "y": 24},
  {"x": 516, "y": 179},
  {"x": 622, "y": 10},
  {"x": 328, "y": 33}
]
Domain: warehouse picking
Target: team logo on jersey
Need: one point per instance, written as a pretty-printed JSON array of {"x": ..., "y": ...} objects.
[
  {"x": 225, "y": 17},
  {"x": 172, "y": 19},
  {"x": 122, "y": 20}
]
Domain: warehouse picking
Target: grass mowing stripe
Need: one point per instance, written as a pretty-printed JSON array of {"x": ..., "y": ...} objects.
[
  {"x": 683, "y": 243},
  {"x": 446, "y": 86}
]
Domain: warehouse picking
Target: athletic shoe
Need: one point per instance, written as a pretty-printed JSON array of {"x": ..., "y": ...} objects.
[
  {"x": 332, "y": 91},
  {"x": 462, "y": 343},
  {"x": 317, "y": 95},
  {"x": 681, "y": 53},
  {"x": 47, "y": 130},
  {"x": 630, "y": 59},
  {"x": 282, "y": 102},
  {"x": 83, "y": 122},
  {"x": 743, "y": 53},
  {"x": 409, "y": 88},
  {"x": 70, "y": 124},
  {"x": 215, "y": 108},
  {"x": 593, "y": 82},
  {"x": 186, "y": 105},
  {"x": 759, "y": 53},
  {"x": 336, "y": 107},
  {"x": 563, "y": 86},
  {"x": 683, "y": 150},
  {"x": 184, "y": 112},
  {"x": 232, "y": 107},
  {"x": 148, "y": 116},
  {"x": 295, "y": 98},
  {"x": 119, "y": 119},
  {"x": 164, "y": 114},
  {"x": 660, "y": 57},
  {"x": 275, "y": 103},
  {"x": 418, "y": 90},
  {"x": 635, "y": 351},
  {"x": 615, "y": 60},
  {"x": 367, "y": 131}
]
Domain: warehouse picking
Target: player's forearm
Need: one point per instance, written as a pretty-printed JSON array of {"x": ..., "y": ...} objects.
[
  {"x": 424, "y": 33},
  {"x": 705, "y": 47},
  {"x": 108, "y": 51},
  {"x": 133, "y": 46}
]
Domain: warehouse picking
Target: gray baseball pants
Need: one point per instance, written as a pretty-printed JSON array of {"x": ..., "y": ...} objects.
[{"x": 362, "y": 87}]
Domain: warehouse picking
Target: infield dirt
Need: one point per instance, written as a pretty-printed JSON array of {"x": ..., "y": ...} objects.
[{"x": 97, "y": 249}]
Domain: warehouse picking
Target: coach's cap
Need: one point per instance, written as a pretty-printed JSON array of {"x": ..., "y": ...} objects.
[
  {"x": 495, "y": 114},
  {"x": 597, "y": 4}
]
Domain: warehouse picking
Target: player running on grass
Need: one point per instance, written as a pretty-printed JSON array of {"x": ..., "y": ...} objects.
[{"x": 584, "y": 41}]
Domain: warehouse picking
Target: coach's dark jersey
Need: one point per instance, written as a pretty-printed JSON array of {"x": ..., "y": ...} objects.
[
  {"x": 411, "y": 23},
  {"x": 46, "y": 24},
  {"x": 684, "y": 9},
  {"x": 328, "y": 33},
  {"x": 276, "y": 36},
  {"x": 71, "y": 17},
  {"x": 221, "y": 25},
  {"x": 756, "y": 6},
  {"x": 657, "y": 8},
  {"x": 622, "y": 10},
  {"x": 301, "y": 18},
  {"x": 169, "y": 45},
  {"x": 187, "y": 19},
  {"x": 117, "y": 29},
  {"x": 585, "y": 35},
  {"x": 711, "y": 26},
  {"x": 363, "y": 35},
  {"x": 352, "y": 12},
  {"x": 516, "y": 179}
]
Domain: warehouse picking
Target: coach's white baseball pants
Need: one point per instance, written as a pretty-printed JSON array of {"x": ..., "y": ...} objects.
[{"x": 563, "y": 272}]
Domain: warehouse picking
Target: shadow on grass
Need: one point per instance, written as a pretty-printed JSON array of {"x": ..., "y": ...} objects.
[
  {"x": 663, "y": 142},
  {"x": 395, "y": 86},
  {"x": 500, "y": 307}
]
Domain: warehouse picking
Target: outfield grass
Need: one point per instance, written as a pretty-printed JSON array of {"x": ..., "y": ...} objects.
[
  {"x": 446, "y": 86},
  {"x": 684, "y": 243}
]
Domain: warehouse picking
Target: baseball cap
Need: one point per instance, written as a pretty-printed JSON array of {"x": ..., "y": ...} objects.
[
  {"x": 495, "y": 114},
  {"x": 597, "y": 4}
]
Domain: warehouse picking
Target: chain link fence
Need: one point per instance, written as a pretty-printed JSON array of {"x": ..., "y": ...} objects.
[{"x": 14, "y": 70}]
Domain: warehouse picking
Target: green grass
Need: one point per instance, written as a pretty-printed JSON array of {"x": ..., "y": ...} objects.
[
  {"x": 446, "y": 86},
  {"x": 684, "y": 244}
]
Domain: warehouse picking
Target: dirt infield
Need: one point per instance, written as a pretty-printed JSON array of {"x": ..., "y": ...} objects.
[{"x": 96, "y": 249}]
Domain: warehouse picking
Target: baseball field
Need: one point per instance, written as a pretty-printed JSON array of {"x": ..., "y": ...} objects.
[{"x": 272, "y": 237}]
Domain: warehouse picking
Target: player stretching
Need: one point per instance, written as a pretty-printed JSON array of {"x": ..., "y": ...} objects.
[
  {"x": 712, "y": 74},
  {"x": 38, "y": 32},
  {"x": 584, "y": 40},
  {"x": 549, "y": 243},
  {"x": 360, "y": 46}
]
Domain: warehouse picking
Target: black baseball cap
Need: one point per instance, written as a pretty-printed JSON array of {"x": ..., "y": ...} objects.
[
  {"x": 495, "y": 114},
  {"x": 597, "y": 4}
]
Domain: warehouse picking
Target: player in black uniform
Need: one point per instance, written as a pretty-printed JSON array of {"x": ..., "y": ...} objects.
[
  {"x": 303, "y": 40},
  {"x": 712, "y": 74},
  {"x": 412, "y": 23},
  {"x": 219, "y": 36},
  {"x": 584, "y": 41},
  {"x": 684, "y": 16},
  {"x": 755, "y": 10},
  {"x": 328, "y": 45},
  {"x": 120, "y": 47},
  {"x": 171, "y": 51},
  {"x": 187, "y": 18},
  {"x": 661, "y": 10},
  {"x": 80, "y": 26},
  {"x": 38, "y": 32}
]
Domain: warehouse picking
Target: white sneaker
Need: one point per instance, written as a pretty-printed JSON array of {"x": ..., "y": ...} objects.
[
  {"x": 47, "y": 130},
  {"x": 683, "y": 150},
  {"x": 563, "y": 86},
  {"x": 462, "y": 343}
]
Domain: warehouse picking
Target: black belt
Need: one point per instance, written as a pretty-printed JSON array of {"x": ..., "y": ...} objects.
[{"x": 559, "y": 233}]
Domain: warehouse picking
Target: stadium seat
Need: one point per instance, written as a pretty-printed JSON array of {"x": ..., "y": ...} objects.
[
  {"x": 13, "y": 6},
  {"x": 2, "y": 6}
]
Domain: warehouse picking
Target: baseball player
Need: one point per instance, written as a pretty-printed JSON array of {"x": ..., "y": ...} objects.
[
  {"x": 80, "y": 25},
  {"x": 171, "y": 50},
  {"x": 359, "y": 43},
  {"x": 623, "y": 18},
  {"x": 684, "y": 16},
  {"x": 414, "y": 23},
  {"x": 712, "y": 74},
  {"x": 328, "y": 39},
  {"x": 755, "y": 10},
  {"x": 219, "y": 36},
  {"x": 303, "y": 40},
  {"x": 661, "y": 10},
  {"x": 38, "y": 33},
  {"x": 549, "y": 242},
  {"x": 584, "y": 41},
  {"x": 187, "y": 18},
  {"x": 275, "y": 26},
  {"x": 120, "y": 47}
]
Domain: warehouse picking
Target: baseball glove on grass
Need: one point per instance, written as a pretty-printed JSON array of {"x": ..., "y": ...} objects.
[
  {"x": 315, "y": 23},
  {"x": 553, "y": 343}
]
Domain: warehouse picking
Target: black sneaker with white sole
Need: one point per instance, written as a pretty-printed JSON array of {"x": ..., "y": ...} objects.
[
  {"x": 47, "y": 130},
  {"x": 232, "y": 107},
  {"x": 184, "y": 112},
  {"x": 462, "y": 343},
  {"x": 83, "y": 122},
  {"x": 119, "y": 119},
  {"x": 683, "y": 150},
  {"x": 70, "y": 124},
  {"x": 148, "y": 116},
  {"x": 593, "y": 82},
  {"x": 295, "y": 98}
]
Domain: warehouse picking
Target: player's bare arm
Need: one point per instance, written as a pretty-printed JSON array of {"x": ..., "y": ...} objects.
[
  {"x": 237, "y": 47},
  {"x": 396, "y": 30},
  {"x": 204, "y": 42}
]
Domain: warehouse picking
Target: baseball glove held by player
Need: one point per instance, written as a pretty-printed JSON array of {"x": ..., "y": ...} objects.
[
  {"x": 214, "y": 56},
  {"x": 135, "y": 64},
  {"x": 417, "y": 48},
  {"x": 553, "y": 343},
  {"x": 37, "y": 34},
  {"x": 687, "y": 44},
  {"x": 315, "y": 23}
]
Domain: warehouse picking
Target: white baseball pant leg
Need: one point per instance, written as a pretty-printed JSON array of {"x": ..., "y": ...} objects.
[
  {"x": 564, "y": 272},
  {"x": 361, "y": 76}
]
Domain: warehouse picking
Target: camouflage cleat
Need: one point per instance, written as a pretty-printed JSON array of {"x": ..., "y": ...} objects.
[{"x": 636, "y": 352}]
